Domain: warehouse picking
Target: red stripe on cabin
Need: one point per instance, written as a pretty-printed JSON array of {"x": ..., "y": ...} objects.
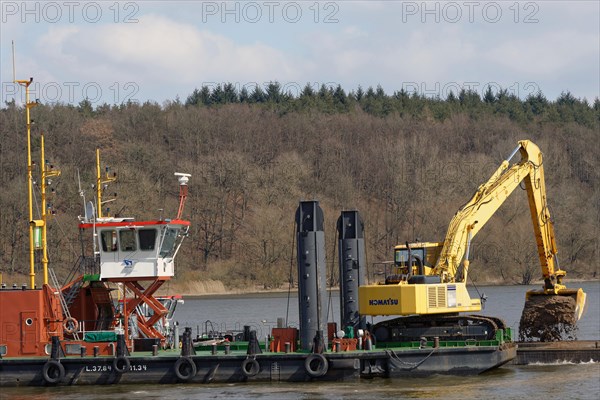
[{"x": 135, "y": 223}]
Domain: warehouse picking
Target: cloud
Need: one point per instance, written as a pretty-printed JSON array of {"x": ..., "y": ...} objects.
[
  {"x": 158, "y": 49},
  {"x": 368, "y": 46},
  {"x": 547, "y": 54}
]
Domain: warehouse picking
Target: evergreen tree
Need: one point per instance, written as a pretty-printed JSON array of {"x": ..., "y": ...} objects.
[
  {"x": 339, "y": 95},
  {"x": 451, "y": 97},
  {"x": 85, "y": 108},
  {"x": 218, "y": 95},
  {"x": 205, "y": 95},
  {"x": 258, "y": 95},
  {"x": 273, "y": 94},
  {"x": 307, "y": 91},
  {"x": 359, "y": 93},
  {"x": 324, "y": 93},
  {"x": 537, "y": 103},
  {"x": 229, "y": 93},
  {"x": 244, "y": 96},
  {"x": 370, "y": 93},
  {"x": 489, "y": 97}
]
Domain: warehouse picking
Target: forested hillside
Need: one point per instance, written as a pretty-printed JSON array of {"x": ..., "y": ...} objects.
[{"x": 406, "y": 162}]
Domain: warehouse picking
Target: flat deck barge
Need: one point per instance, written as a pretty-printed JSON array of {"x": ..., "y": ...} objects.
[
  {"x": 231, "y": 363},
  {"x": 578, "y": 351}
]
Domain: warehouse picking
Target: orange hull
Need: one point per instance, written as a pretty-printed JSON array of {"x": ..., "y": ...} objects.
[{"x": 28, "y": 320}]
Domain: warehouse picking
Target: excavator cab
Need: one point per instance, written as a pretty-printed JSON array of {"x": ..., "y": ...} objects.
[{"x": 416, "y": 258}]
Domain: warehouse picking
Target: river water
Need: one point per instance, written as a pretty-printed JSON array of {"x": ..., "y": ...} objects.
[{"x": 573, "y": 381}]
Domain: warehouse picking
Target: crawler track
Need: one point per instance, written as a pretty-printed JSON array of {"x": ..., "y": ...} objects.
[{"x": 446, "y": 327}]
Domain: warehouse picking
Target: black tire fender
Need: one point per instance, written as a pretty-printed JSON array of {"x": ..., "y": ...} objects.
[
  {"x": 185, "y": 368},
  {"x": 316, "y": 365},
  {"x": 53, "y": 372},
  {"x": 250, "y": 367},
  {"x": 121, "y": 364}
]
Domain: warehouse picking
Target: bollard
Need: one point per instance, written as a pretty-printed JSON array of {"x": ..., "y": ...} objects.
[
  {"x": 154, "y": 350},
  {"x": 338, "y": 347},
  {"x": 187, "y": 348},
  {"x": 368, "y": 344},
  {"x": 423, "y": 342},
  {"x": 96, "y": 351},
  {"x": 122, "y": 350},
  {"x": 82, "y": 351},
  {"x": 56, "y": 351},
  {"x": 176, "y": 336},
  {"x": 227, "y": 348},
  {"x": 287, "y": 347},
  {"x": 213, "y": 350},
  {"x": 436, "y": 342}
]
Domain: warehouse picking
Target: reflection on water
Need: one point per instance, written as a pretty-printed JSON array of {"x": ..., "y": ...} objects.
[
  {"x": 574, "y": 381},
  {"x": 512, "y": 382}
]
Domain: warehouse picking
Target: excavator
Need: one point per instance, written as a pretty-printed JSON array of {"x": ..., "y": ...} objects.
[{"x": 427, "y": 284}]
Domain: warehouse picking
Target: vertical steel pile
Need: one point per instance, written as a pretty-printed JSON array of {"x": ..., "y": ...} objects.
[
  {"x": 312, "y": 291},
  {"x": 352, "y": 262}
]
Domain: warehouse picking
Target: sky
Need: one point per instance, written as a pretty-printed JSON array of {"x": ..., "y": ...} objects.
[{"x": 113, "y": 52}]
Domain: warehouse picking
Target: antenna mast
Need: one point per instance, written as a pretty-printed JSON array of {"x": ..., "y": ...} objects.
[
  {"x": 48, "y": 171},
  {"x": 100, "y": 183},
  {"x": 29, "y": 105},
  {"x": 183, "y": 191}
]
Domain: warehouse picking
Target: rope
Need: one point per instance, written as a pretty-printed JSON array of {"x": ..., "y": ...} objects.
[
  {"x": 35, "y": 200},
  {"x": 481, "y": 297},
  {"x": 330, "y": 304},
  {"x": 410, "y": 366},
  {"x": 287, "y": 311}
]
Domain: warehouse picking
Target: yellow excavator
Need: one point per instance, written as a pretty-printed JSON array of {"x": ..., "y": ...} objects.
[{"x": 427, "y": 284}]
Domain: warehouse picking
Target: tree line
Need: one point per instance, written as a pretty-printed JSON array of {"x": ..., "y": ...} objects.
[{"x": 330, "y": 99}]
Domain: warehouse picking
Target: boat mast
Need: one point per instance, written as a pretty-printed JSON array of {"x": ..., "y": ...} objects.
[
  {"x": 100, "y": 183},
  {"x": 48, "y": 171},
  {"x": 32, "y": 223}
]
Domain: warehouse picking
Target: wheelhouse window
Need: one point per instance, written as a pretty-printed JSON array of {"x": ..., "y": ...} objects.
[
  {"x": 127, "y": 239},
  {"x": 108, "y": 239},
  {"x": 167, "y": 249},
  {"x": 147, "y": 239}
]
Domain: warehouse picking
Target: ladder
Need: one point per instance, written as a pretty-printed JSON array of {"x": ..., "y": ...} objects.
[
  {"x": 63, "y": 303},
  {"x": 72, "y": 292}
]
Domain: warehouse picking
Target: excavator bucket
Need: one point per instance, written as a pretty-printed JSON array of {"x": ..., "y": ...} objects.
[{"x": 551, "y": 316}]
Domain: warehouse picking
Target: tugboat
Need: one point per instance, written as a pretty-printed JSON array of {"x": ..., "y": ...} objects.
[
  {"x": 129, "y": 257},
  {"x": 80, "y": 334}
]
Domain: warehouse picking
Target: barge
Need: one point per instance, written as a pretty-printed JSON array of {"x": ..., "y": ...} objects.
[{"x": 576, "y": 351}]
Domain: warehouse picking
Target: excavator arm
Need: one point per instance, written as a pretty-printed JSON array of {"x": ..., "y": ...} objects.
[{"x": 453, "y": 262}]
